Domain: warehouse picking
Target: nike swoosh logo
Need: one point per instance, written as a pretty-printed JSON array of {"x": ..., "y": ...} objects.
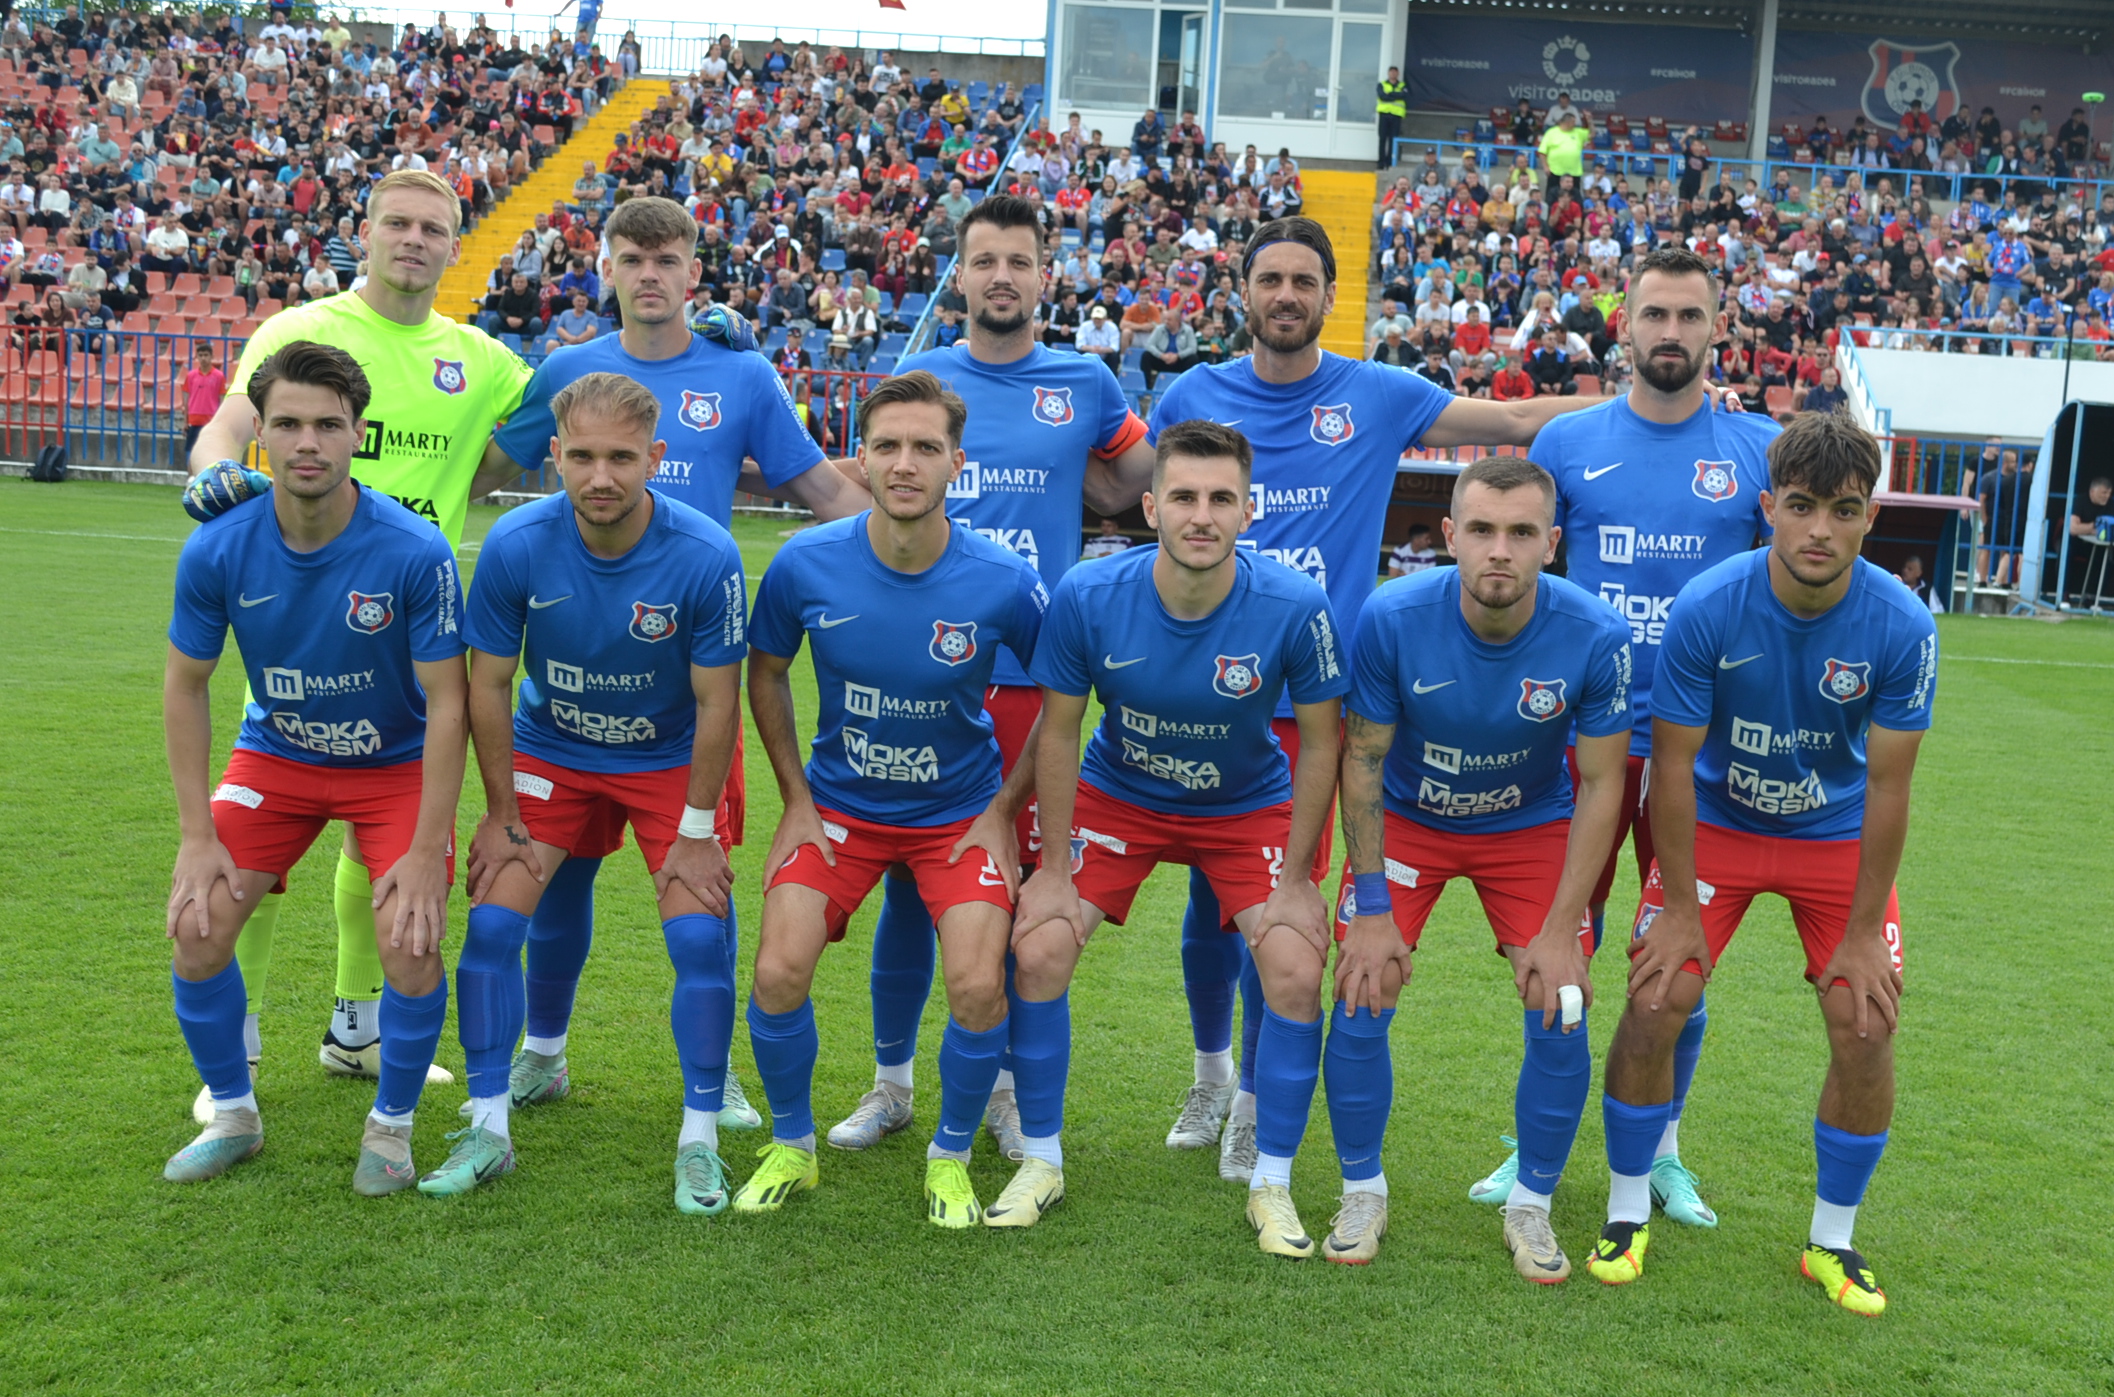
[
  {"x": 1110, "y": 662},
  {"x": 254, "y": 601},
  {"x": 1724, "y": 663},
  {"x": 1595, "y": 475},
  {"x": 1420, "y": 687},
  {"x": 823, "y": 623},
  {"x": 535, "y": 605},
  {"x": 490, "y": 1169}
]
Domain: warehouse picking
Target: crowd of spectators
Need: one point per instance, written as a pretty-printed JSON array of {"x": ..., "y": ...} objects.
[
  {"x": 1505, "y": 280},
  {"x": 141, "y": 149}
]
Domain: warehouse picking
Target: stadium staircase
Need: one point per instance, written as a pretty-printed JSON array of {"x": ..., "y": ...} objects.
[
  {"x": 1342, "y": 202},
  {"x": 551, "y": 182}
]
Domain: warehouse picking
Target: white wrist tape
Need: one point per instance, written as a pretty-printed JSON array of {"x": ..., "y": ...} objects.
[
  {"x": 1570, "y": 1001},
  {"x": 696, "y": 824}
]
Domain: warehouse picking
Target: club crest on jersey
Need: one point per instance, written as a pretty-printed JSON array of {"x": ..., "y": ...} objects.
[
  {"x": 1053, "y": 406},
  {"x": 700, "y": 411},
  {"x": 1717, "y": 480},
  {"x": 953, "y": 642},
  {"x": 370, "y": 611},
  {"x": 650, "y": 623},
  {"x": 1078, "y": 853},
  {"x": 1541, "y": 700},
  {"x": 1238, "y": 675},
  {"x": 448, "y": 376},
  {"x": 1332, "y": 425},
  {"x": 1845, "y": 682}
]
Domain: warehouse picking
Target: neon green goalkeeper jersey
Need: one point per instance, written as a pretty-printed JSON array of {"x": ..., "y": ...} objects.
[{"x": 439, "y": 390}]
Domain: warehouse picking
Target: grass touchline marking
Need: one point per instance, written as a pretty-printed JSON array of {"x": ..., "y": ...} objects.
[
  {"x": 77, "y": 533},
  {"x": 2053, "y": 664}
]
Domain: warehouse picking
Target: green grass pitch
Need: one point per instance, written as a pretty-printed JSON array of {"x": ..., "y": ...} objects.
[{"x": 1987, "y": 1219}]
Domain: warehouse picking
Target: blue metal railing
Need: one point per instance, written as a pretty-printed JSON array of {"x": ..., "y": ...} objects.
[{"x": 1735, "y": 169}]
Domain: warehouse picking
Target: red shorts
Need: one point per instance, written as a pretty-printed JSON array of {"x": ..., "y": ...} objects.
[
  {"x": 1287, "y": 730},
  {"x": 267, "y": 810},
  {"x": 1515, "y": 874},
  {"x": 1116, "y": 846},
  {"x": 865, "y": 851},
  {"x": 584, "y": 812},
  {"x": 1013, "y": 709},
  {"x": 1631, "y": 818},
  {"x": 603, "y": 835},
  {"x": 1818, "y": 877}
]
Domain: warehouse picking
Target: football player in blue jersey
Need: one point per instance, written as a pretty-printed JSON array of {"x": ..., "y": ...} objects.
[
  {"x": 904, "y": 615},
  {"x": 1794, "y": 688},
  {"x": 1187, "y": 645},
  {"x": 615, "y": 725},
  {"x": 720, "y": 408},
  {"x": 1329, "y": 433},
  {"x": 345, "y": 607},
  {"x": 1652, "y": 488},
  {"x": 1465, "y": 686},
  {"x": 1046, "y": 431}
]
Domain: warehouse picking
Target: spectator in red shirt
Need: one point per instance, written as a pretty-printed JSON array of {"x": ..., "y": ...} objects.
[{"x": 1511, "y": 383}]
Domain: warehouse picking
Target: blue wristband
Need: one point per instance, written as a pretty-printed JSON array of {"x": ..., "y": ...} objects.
[{"x": 1372, "y": 893}]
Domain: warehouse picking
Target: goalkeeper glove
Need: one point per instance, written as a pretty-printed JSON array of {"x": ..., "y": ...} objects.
[
  {"x": 730, "y": 329},
  {"x": 220, "y": 487}
]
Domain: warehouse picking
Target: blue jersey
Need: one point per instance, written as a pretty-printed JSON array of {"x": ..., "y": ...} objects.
[
  {"x": 603, "y": 689},
  {"x": 1787, "y": 700},
  {"x": 718, "y": 405},
  {"x": 1032, "y": 424},
  {"x": 1480, "y": 729},
  {"x": 901, "y": 663},
  {"x": 328, "y": 638},
  {"x": 1645, "y": 507},
  {"x": 1188, "y": 704},
  {"x": 1326, "y": 452}
]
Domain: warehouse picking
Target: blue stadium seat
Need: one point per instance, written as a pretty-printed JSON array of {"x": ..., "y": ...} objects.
[
  {"x": 1639, "y": 141},
  {"x": 881, "y": 364},
  {"x": 979, "y": 93},
  {"x": 913, "y": 305},
  {"x": 1133, "y": 381},
  {"x": 1639, "y": 165},
  {"x": 1485, "y": 131},
  {"x": 832, "y": 259},
  {"x": 926, "y": 165},
  {"x": 511, "y": 341},
  {"x": 1779, "y": 149},
  {"x": 974, "y": 196},
  {"x": 1031, "y": 94}
]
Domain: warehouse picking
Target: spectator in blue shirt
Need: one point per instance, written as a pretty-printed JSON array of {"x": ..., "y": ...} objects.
[
  {"x": 1148, "y": 135},
  {"x": 575, "y": 326}
]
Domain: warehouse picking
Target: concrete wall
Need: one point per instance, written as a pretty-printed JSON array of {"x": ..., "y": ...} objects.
[{"x": 1960, "y": 395}]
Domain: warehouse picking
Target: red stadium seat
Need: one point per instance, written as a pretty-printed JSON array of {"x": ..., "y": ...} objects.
[
  {"x": 221, "y": 286},
  {"x": 186, "y": 284},
  {"x": 266, "y": 308},
  {"x": 1588, "y": 385},
  {"x": 1778, "y": 399}
]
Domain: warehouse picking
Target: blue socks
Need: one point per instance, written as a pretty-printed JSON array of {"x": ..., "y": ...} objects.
[
  {"x": 1361, "y": 1082},
  {"x": 1688, "y": 1048},
  {"x": 1211, "y": 962},
  {"x": 1287, "y": 1064},
  {"x": 1554, "y": 1078},
  {"x": 968, "y": 1067},
  {"x": 559, "y": 937},
  {"x": 1042, "y": 1060},
  {"x": 701, "y": 1011},
  {"x": 410, "y": 1032},
  {"x": 905, "y": 947},
  {"x": 210, "y": 1014},
  {"x": 489, "y": 1005},
  {"x": 1846, "y": 1163},
  {"x": 1253, "y": 1007},
  {"x": 785, "y": 1048}
]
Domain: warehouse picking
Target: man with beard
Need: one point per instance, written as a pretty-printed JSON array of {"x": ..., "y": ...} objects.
[
  {"x": 1652, "y": 489},
  {"x": 1328, "y": 434},
  {"x": 1794, "y": 688},
  {"x": 1046, "y": 431}
]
